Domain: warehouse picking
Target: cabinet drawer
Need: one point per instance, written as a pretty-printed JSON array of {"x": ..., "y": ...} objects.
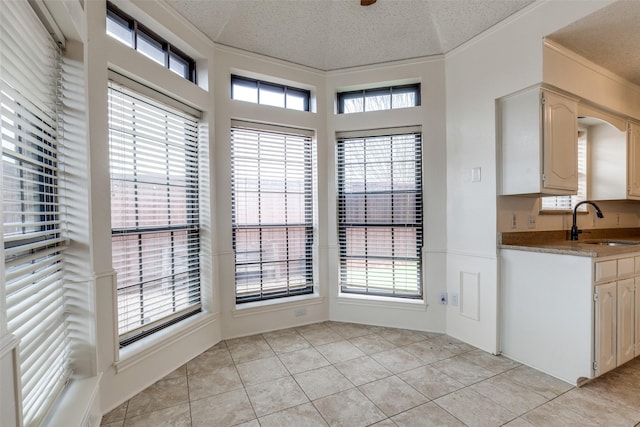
[
  {"x": 626, "y": 267},
  {"x": 606, "y": 270},
  {"x": 638, "y": 265}
]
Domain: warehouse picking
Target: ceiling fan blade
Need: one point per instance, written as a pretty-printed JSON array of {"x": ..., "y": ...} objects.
[{"x": 367, "y": 2}]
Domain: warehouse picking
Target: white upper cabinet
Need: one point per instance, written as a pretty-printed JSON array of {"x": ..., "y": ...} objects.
[{"x": 538, "y": 139}]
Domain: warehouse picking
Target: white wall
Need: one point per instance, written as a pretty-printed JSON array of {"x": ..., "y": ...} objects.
[{"x": 500, "y": 61}]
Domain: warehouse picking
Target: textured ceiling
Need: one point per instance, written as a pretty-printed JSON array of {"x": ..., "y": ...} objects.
[
  {"x": 610, "y": 37},
  {"x": 334, "y": 34}
]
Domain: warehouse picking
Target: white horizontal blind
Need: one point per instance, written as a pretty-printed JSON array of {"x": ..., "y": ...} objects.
[
  {"x": 567, "y": 203},
  {"x": 380, "y": 214},
  {"x": 33, "y": 242},
  {"x": 153, "y": 157},
  {"x": 272, "y": 205}
]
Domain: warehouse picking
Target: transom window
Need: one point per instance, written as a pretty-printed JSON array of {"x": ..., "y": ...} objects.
[
  {"x": 273, "y": 212},
  {"x": 153, "y": 158},
  {"x": 129, "y": 31},
  {"x": 267, "y": 93},
  {"x": 383, "y": 98},
  {"x": 380, "y": 214}
]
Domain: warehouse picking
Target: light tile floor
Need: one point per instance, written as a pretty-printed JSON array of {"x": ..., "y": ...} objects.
[{"x": 344, "y": 374}]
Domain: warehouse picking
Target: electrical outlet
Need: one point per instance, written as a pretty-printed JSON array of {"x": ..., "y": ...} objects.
[
  {"x": 514, "y": 224},
  {"x": 298, "y": 312},
  {"x": 531, "y": 221},
  {"x": 443, "y": 298}
]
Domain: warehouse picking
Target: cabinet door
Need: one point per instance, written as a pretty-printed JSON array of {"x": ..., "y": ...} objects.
[
  {"x": 633, "y": 168},
  {"x": 637, "y": 353},
  {"x": 626, "y": 320},
  {"x": 560, "y": 155},
  {"x": 605, "y": 327}
]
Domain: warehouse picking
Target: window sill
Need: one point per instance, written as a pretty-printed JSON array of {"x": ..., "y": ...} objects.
[
  {"x": 381, "y": 301},
  {"x": 75, "y": 406},
  {"x": 251, "y": 308},
  {"x": 135, "y": 353}
]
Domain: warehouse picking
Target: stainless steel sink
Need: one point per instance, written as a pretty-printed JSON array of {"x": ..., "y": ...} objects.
[{"x": 611, "y": 243}]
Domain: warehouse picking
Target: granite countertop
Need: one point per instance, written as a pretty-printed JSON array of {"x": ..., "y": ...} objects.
[{"x": 558, "y": 242}]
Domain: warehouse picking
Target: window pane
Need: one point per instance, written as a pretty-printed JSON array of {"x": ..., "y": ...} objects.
[
  {"x": 37, "y": 306},
  {"x": 271, "y": 95},
  {"x": 150, "y": 48},
  {"x": 382, "y": 98},
  {"x": 297, "y": 100},
  {"x": 129, "y": 31},
  {"x": 244, "y": 90},
  {"x": 272, "y": 204},
  {"x": 352, "y": 103},
  {"x": 380, "y": 215},
  {"x": 119, "y": 29},
  {"x": 179, "y": 66},
  {"x": 404, "y": 97},
  {"x": 154, "y": 212},
  {"x": 376, "y": 100}
]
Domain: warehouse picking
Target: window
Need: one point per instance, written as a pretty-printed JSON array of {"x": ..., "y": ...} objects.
[
  {"x": 130, "y": 32},
  {"x": 265, "y": 93},
  {"x": 562, "y": 204},
  {"x": 273, "y": 212},
  {"x": 33, "y": 235},
  {"x": 380, "y": 214},
  {"x": 385, "y": 98},
  {"x": 153, "y": 157}
]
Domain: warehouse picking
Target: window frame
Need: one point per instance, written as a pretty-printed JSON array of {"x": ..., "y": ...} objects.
[
  {"x": 382, "y": 90},
  {"x": 136, "y": 29},
  {"x": 263, "y": 293},
  {"x": 34, "y": 233},
  {"x": 257, "y": 83},
  {"x": 343, "y": 225},
  {"x": 191, "y": 227}
]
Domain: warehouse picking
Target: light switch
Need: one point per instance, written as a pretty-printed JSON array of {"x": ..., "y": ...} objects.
[{"x": 476, "y": 174}]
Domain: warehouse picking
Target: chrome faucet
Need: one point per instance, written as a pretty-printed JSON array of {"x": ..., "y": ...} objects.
[{"x": 574, "y": 227}]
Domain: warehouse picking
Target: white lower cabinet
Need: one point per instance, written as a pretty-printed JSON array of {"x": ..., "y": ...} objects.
[
  {"x": 616, "y": 313},
  {"x": 637, "y": 353},
  {"x": 626, "y": 320},
  {"x": 573, "y": 317},
  {"x": 606, "y": 297}
]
